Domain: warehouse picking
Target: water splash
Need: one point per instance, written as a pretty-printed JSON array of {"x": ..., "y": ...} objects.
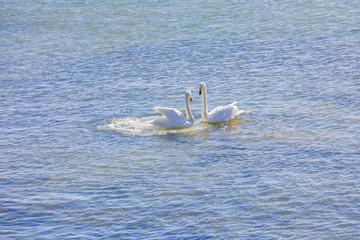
[{"x": 141, "y": 126}]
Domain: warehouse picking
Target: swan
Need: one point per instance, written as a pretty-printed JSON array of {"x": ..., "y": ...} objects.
[
  {"x": 173, "y": 118},
  {"x": 218, "y": 114}
]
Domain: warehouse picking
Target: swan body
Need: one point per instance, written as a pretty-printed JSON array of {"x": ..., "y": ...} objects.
[
  {"x": 218, "y": 114},
  {"x": 173, "y": 118}
]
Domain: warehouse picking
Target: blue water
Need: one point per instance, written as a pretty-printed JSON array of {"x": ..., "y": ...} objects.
[{"x": 80, "y": 160}]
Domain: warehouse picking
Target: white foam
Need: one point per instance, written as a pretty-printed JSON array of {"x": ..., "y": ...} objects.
[{"x": 141, "y": 126}]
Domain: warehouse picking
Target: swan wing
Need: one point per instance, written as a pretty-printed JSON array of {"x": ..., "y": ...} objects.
[
  {"x": 171, "y": 113},
  {"x": 224, "y": 113}
]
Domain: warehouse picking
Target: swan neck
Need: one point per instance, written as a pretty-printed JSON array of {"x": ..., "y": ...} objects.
[
  {"x": 188, "y": 112},
  {"x": 204, "y": 112}
]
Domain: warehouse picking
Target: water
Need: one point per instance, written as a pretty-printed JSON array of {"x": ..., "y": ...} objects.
[{"x": 79, "y": 159}]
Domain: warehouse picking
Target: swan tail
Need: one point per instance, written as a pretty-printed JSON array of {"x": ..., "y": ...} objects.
[
  {"x": 232, "y": 111},
  {"x": 235, "y": 109},
  {"x": 238, "y": 112}
]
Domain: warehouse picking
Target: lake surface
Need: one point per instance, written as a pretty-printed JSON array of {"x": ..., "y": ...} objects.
[{"x": 80, "y": 160}]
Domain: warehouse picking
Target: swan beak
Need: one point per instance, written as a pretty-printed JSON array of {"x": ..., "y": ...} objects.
[
  {"x": 190, "y": 98},
  {"x": 200, "y": 89}
]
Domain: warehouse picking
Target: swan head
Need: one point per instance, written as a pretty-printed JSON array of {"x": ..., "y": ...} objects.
[
  {"x": 201, "y": 87},
  {"x": 188, "y": 95}
]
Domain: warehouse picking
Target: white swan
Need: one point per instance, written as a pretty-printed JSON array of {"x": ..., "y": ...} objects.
[
  {"x": 218, "y": 114},
  {"x": 173, "y": 118}
]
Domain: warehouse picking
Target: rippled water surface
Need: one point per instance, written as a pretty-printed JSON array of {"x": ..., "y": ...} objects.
[{"x": 80, "y": 159}]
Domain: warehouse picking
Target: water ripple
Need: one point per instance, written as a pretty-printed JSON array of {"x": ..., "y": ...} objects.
[{"x": 80, "y": 159}]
